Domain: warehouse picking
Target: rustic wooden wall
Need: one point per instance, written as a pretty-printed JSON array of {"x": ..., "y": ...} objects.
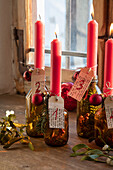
[
  {"x": 103, "y": 14},
  {"x": 21, "y": 19},
  {"x": 18, "y": 21},
  {"x": 6, "y": 73}
]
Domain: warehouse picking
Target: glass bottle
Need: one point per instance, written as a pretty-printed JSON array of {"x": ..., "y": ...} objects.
[
  {"x": 86, "y": 112},
  {"x": 103, "y": 135},
  {"x": 35, "y": 103},
  {"x": 56, "y": 136},
  {"x": 34, "y": 117}
]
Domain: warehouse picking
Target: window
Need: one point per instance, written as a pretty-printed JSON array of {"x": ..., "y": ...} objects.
[{"x": 72, "y": 17}]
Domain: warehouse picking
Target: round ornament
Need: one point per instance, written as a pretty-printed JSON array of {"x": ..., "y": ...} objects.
[
  {"x": 27, "y": 75},
  {"x": 37, "y": 99},
  {"x": 69, "y": 103},
  {"x": 95, "y": 99},
  {"x": 75, "y": 76}
]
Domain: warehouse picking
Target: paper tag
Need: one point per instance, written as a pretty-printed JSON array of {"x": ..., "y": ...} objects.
[
  {"x": 56, "y": 112},
  {"x": 28, "y": 103},
  {"x": 109, "y": 111},
  {"x": 81, "y": 84},
  {"x": 38, "y": 81}
]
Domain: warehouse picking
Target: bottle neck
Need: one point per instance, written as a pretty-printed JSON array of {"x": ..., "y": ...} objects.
[{"x": 95, "y": 79}]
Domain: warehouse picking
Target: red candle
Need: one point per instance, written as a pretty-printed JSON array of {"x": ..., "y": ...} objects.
[
  {"x": 108, "y": 68},
  {"x": 92, "y": 39},
  {"x": 55, "y": 83},
  {"x": 39, "y": 60}
]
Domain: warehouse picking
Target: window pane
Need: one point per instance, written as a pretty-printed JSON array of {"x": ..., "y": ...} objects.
[
  {"x": 72, "y": 17},
  {"x": 80, "y": 16},
  {"x": 55, "y": 12}
]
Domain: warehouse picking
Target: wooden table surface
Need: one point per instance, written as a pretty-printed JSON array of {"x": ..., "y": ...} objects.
[{"x": 19, "y": 157}]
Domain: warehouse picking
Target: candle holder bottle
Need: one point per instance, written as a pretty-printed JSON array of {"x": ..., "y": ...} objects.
[
  {"x": 56, "y": 136},
  {"x": 34, "y": 116},
  {"x": 103, "y": 135},
  {"x": 86, "y": 112},
  {"x": 35, "y": 104}
]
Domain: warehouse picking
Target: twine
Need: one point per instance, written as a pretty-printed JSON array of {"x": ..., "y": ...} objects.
[
  {"x": 108, "y": 84},
  {"x": 92, "y": 67},
  {"x": 56, "y": 95}
]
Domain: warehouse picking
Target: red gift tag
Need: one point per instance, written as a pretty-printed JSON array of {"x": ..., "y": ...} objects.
[
  {"x": 81, "y": 84},
  {"x": 38, "y": 81}
]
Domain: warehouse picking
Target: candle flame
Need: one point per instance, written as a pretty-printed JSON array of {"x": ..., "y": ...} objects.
[
  {"x": 92, "y": 11},
  {"x": 56, "y": 30},
  {"x": 111, "y": 29}
]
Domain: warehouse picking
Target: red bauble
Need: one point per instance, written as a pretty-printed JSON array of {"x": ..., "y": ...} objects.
[
  {"x": 27, "y": 75},
  {"x": 69, "y": 103},
  {"x": 65, "y": 88},
  {"x": 95, "y": 99},
  {"x": 75, "y": 76},
  {"x": 37, "y": 99}
]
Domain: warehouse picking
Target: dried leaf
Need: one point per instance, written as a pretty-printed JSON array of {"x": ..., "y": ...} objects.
[
  {"x": 31, "y": 146},
  {"x": 77, "y": 153},
  {"x": 11, "y": 117},
  {"x": 86, "y": 157},
  {"x": 23, "y": 141},
  {"x": 11, "y": 132},
  {"x": 94, "y": 156},
  {"x": 9, "y": 143},
  {"x": 79, "y": 146},
  {"x": 94, "y": 151},
  {"x": 5, "y": 138},
  {"x": 90, "y": 157},
  {"x": 73, "y": 155},
  {"x": 19, "y": 125}
]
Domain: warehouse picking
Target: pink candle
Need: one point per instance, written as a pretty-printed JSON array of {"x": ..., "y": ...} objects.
[
  {"x": 39, "y": 60},
  {"x": 108, "y": 67},
  {"x": 92, "y": 40},
  {"x": 55, "y": 83}
]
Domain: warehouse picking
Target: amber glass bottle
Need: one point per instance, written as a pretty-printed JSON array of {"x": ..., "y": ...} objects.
[
  {"x": 102, "y": 133},
  {"x": 33, "y": 117},
  {"x": 56, "y": 136},
  {"x": 86, "y": 112}
]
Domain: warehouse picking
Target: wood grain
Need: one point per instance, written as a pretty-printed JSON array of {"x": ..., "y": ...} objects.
[
  {"x": 104, "y": 16},
  {"x": 20, "y": 157}
]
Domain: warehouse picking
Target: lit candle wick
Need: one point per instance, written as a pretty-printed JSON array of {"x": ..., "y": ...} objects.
[
  {"x": 56, "y": 34},
  {"x": 92, "y": 11},
  {"x": 39, "y": 17},
  {"x": 92, "y": 15},
  {"x": 111, "y": 30}
]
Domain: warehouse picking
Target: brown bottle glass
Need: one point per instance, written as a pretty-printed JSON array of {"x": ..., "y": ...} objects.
[
  {"x": 33, "y": 117},
  {"x": 86, "y": 112},
  {"x": 56, "y": 136},
  {"x": 101, "y": 129}
]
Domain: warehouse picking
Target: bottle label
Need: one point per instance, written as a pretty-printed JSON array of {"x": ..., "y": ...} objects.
[
  {"x": 38, "y": 81},
  {"x": 56, "y": 112},
  {"x": 81, "y": 84},
  {"x": 109, "y": 111},
  {"x": 28, "y": 103}
]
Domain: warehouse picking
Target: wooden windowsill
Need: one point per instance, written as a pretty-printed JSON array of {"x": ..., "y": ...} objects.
[
  {"x": 66, "y": 77},
  {"x": 19, "y": 156}
]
